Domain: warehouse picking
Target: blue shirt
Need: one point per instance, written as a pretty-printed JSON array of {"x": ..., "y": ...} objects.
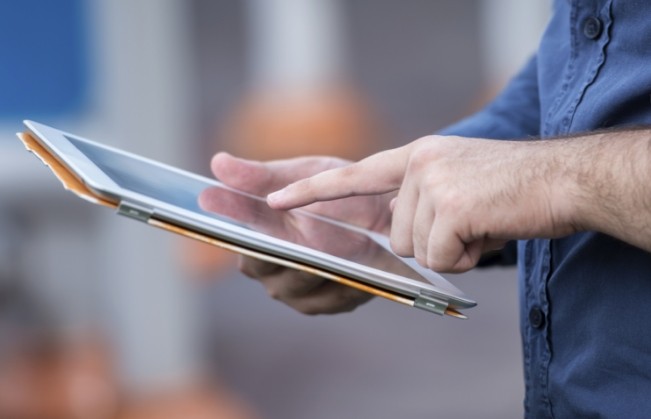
[{"x": 585, "y": 300}]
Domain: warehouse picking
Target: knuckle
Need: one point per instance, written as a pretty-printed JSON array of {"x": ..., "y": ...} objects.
[
  {"x": 435, "y": 262},
  {"x": 427, "y": 146},
  {"x": 400, "y": 247},
  {"x": 401, "y": 242},
  {"x": 347, "y": 171},
  {"x": 247, "y": 268},
  {"x": 274, "y": 293},
  {"x": 462, "y": 266},
  {"x": 431, "y": 182},
  {"x": 299, "y": 187},
  {"x": 424, "y": 142},
  {"x": 308, "y": 309},
  {"x": 256, "y": 269},
  {"x": 452, "y": 201},
  {"x": 329, "y": 163},
  {"x": 308, "y": 188},
  {"x": 418, "y": 159},
  {"x": 350, "y": 298},
  {"x": 339, "y": 299},
  {"x": 348, "y": 307},
  {"x": 436, "y": 265},
  {"x": 422, "y": 261}
]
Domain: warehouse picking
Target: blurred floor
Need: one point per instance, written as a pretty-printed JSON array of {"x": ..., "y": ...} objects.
[{"x": 382, "y": 361}]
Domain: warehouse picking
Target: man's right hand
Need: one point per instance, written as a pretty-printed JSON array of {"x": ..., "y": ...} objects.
[{"x": 304, "y": 292}]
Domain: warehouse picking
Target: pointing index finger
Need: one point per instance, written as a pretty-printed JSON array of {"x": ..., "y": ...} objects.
[{"x": 376, "y": 174}]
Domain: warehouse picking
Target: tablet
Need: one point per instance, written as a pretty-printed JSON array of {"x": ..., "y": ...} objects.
[{"x": 170, "y": 198}]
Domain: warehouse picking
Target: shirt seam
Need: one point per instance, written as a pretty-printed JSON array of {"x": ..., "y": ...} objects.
[
  {"x": 601, "y": 59},
  {"x": 569, "y": 71}
]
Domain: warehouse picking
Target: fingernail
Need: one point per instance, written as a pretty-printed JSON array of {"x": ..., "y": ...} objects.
[
  {"x": 276, "y": 197},
  {"x": 392, "y": 204}
]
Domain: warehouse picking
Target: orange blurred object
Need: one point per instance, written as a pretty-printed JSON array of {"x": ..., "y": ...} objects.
[
  {"x": 275, "y": 124},
  {"x": 46, "y": 381},
  {"x": 190, "y": 403},
  {"x": 51, "y": 382},
  {"x": 280, "y": 124}
]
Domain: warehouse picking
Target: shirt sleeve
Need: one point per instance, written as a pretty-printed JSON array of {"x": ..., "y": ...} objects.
[{"x": 513, "y": 114}]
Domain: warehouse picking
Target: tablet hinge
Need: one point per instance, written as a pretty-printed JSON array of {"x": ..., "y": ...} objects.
[
  {"x": 426, "y": 302},
  {"x": 135, "y": 211}
]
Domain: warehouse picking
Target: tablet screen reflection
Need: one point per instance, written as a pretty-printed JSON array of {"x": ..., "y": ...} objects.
[
  {"x": 208, "y": 198},
  {"x": 301, "y": 227}
]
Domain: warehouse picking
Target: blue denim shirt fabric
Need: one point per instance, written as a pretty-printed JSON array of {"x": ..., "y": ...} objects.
[{"x": 585, "y": 300}]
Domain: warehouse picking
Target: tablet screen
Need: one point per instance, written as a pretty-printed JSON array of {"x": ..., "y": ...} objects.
[{"x": 192, "y": 194}]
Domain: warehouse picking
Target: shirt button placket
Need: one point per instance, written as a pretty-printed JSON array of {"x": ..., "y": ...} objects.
[
  {"x": 592, "y": 27},
  {"x": 536, "y": 317}
]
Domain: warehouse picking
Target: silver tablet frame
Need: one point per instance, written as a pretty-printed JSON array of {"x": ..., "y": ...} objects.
[{"x": 94, "y": 178}]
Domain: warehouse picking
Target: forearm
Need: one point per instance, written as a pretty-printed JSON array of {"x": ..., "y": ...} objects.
[{"x": 604, "y": 183}]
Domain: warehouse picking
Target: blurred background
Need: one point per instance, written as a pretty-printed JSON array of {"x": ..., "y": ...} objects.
[{"x": 102, "y": 317}]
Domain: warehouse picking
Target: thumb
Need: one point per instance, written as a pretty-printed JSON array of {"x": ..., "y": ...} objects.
[
  {"x": 247, "y": 175},
  {"x": 260, "y": 178}
]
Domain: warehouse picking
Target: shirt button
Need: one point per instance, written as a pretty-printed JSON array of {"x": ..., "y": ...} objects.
[
  {"x": 536, "y": 317},
  {"x": 592, "y": 27}
]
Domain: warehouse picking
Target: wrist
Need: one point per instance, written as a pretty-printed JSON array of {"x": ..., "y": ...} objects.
[
  {"x": 599, "y": 191},
  {"x": 564, "y": 172}
]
